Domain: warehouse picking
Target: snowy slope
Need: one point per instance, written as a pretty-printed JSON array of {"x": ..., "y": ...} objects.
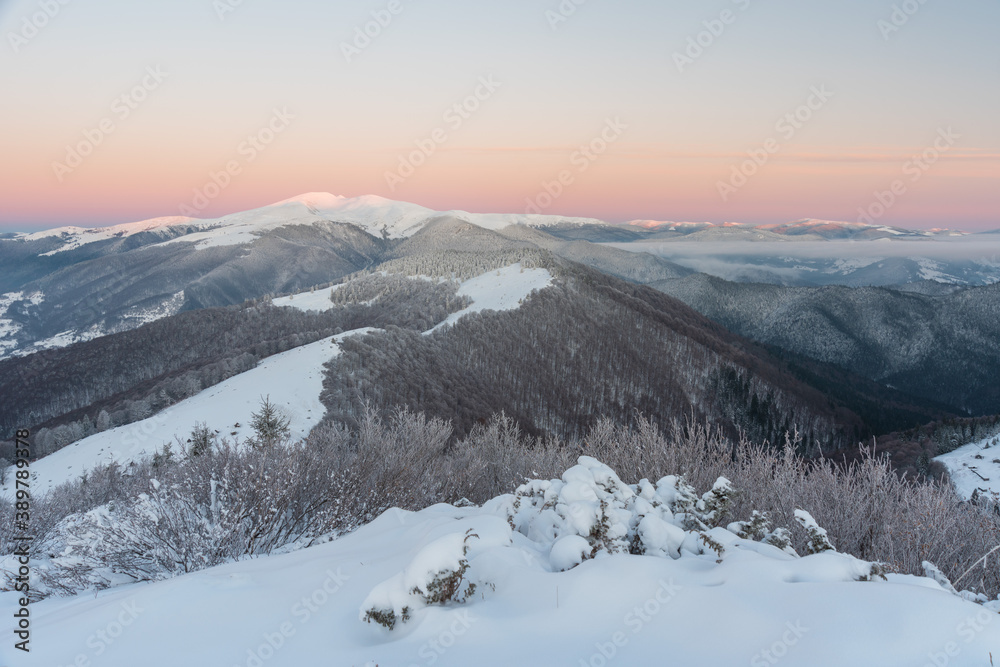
[
  {"x": 75, "y": 237},
  {"x": 307, "y": 301},
  {"x": 292, "y": 379},
  {"x": 499, "y": 290},
  {"x": 975, "y": 467},
  {"x": 503, "y": 289},
  {"x": 375, "y": 215},
  {"x": 302, "y": 609}
]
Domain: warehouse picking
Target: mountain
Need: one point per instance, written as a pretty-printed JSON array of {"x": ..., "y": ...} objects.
[
  {"x": 586, "y": 346},
  {"x": 939, "y": 343},
  {"x": 73, "y": 284},
  {"x": 800, "y": 230}
]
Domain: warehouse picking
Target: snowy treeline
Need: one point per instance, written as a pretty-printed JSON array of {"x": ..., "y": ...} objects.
[
  {"x": 180, "y": 512},
  {"x": 589, "y": 346},
  {"x": 463, "y": 265},
  {"x": 912, "y": 451}
]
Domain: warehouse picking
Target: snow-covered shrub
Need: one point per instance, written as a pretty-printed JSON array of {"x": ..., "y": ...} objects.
[
  {"x": 437, "y": 576},
  {"x": 201, "y": 440},
  {"x": 591, "y": 513},
  {"x": 757, "y": 528},
  {"x": 342, "y": 477},
  {"x": 177, "y": 512},
  {"x": 818, "y": 539}
]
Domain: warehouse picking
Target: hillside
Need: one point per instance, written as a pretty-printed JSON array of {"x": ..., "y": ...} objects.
[{"x": 940, "y": 345}]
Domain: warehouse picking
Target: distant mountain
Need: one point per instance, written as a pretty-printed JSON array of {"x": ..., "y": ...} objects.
[
  {"x": 72, "y": 284},
  {"x": 939, "y": 343},
  {"x": 375, "y": 215},
  {"x": 807, "y": 229}
]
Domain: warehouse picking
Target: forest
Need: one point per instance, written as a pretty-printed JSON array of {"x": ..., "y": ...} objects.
[{"x": 65, "y": 394}]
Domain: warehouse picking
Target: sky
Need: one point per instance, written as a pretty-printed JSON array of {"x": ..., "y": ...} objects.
[{"x": 724, "y": 110}]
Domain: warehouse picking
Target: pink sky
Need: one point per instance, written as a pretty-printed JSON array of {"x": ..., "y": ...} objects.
[{"x": 351, "y": 122}]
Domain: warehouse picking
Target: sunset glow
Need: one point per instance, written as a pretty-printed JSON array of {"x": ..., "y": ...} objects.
[{"x": 118, "y": 111}]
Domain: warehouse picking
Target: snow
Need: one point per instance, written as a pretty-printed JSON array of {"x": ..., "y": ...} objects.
[
  {"x": 758, "y": 606},
  {"x": 975, "y": 467},
  {"x": 309, "y": 301},
  {"x": 168, "y": 307},
  {"x": 292, "y": 379},
  {"x": 8, "y": 328},
  {"x": 499, "y": 290},
  {"x": 75, "y": 237}
]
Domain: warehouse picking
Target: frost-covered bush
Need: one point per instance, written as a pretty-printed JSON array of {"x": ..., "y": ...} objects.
[
  {"x": 818, "y": 539},
  {"x": 179, "y": 512},
  {"x": 437, "y": 576},
  {"x": 344, "y": 476},
  {"x": 590, "y": 513}
]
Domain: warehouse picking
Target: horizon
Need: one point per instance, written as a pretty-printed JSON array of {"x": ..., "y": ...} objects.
[
  {"x": 737, "y": 111},
  {"x": 650, "y": 223}
]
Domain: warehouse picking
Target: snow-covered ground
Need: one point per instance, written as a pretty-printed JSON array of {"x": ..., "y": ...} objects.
[
  {"x": 306, "y": 301},
  {"x": 503, "y": 289},
  {"x": 758, "y": 606},
  {"x": 499, "y": 290},
  {"x": 292, "y": 379},
  {"x": 975, "y": 467}
]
